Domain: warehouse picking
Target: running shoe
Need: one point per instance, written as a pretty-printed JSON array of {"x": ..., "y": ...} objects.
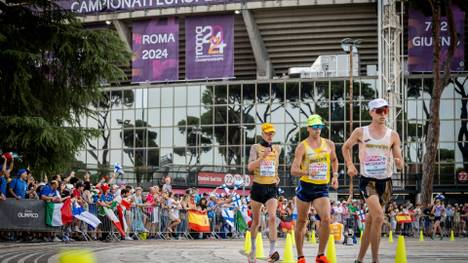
[
  {"x": 321, "y": 259},
  {"x": 274, "y": 257},
  {"x": 301, "y": 260}
]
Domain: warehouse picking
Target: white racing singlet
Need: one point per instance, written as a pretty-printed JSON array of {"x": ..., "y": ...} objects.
[{"x": 375, "y": 155}]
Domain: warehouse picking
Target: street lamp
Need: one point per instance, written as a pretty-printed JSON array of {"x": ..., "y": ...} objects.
[
  {"x": 350, "y": 46},
  {"x": 243, "y": 130}
]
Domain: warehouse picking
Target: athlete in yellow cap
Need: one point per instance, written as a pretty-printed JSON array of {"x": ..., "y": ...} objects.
[
  {"x": 315, "y": 160},
  {"x": 263, "y": 162}
]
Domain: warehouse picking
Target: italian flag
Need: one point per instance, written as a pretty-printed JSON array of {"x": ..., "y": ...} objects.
[
  {"x": 111, "y": 215},
  {"x": 59, "y": 214}
]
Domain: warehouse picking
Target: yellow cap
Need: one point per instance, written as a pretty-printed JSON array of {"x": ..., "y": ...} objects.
[
  {"x": 268, "y": 127},
  {"x": 314, "y": 119}
]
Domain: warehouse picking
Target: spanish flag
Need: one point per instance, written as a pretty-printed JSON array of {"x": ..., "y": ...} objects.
[
  {"x": 403, "y": 218},
  {"x": 198, "y": 221}
]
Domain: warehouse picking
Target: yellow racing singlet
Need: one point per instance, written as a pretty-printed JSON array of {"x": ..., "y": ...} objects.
[
  {"x": 267, "y": 172},
  {"x": 318, "y": 160}
]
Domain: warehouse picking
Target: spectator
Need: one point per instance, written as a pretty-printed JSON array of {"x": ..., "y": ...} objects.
[
  {"x": 4, "y": 177},
  {"x": 167, "y": 187},
  {"x": 18, "y": 186}
]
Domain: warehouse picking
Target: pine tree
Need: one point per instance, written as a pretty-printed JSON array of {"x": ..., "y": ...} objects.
[{"x": 51, "y": 70}]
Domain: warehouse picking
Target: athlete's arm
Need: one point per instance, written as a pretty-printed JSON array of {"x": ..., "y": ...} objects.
[
  {"x": 396, "y": 150},
  {"x": 334, "y": 164},
  {"x": 347, "y": 147},
  {"x": 278, "y": 149},
  {"x": 296, "y": 165},
  {"x": 254, "y": 160}
]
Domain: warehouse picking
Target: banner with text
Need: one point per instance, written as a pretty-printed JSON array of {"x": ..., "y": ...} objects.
[
  {"x": 420, "y": 41},
  {"x": 102, "y": 6},
  {"x": 155, "y": 50},
  {"x": 209, "y": 47},
  {"x": 23, "y": 215},
  {"x": 218, "y": 179}
]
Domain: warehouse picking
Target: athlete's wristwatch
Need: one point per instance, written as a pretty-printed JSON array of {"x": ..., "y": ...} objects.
[{"x": 336, "y": 174}]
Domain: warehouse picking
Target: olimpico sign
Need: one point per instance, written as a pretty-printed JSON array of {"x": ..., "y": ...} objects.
[{"x": 86, "y": 7}]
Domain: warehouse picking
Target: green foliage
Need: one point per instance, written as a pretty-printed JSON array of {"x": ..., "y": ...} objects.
[{"x": 51, "y": 70}]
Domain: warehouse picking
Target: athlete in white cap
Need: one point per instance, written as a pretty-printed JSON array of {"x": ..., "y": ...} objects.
[{"x": 378, "y": 145}]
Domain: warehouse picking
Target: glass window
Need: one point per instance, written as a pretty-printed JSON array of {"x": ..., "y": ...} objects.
[
  {"x": 337, "y": 132},
  {"x": 129, "y": 116},
  {"x": 141, "y": 98},
  {"x": 167, "y": 97},
  {"x": 195, "y": 113},
  {"x": 154, "y": 97},
  {"x": 140, "y": 117},
  {"x": 235, "y": 96},
  {"x": 115, "y": 156},
  {"x": 92, "y": 157},
  {"x": 116, "y": 97},
  {"x": 263, "y": 113},
  {"x": 447, "y": 131},
  {"x": 447, "y": 152},
  {"x": 292, "y": 91},
  {"x": 180, "y": 96},
  {"x": 115, "y": 139},
  {"x": 128, "y": 99},
  {"x": 180, "y": 116},
  {"x": 81, "y": 156},
  {"x": 193, "y": 95},
  {"x": 220, "y": 114},
  {"x": 207, "y": 115},
  {"x": 337, "y": 90},
  {"x": 116, "y": 118},
  {"x": 153, "y": 157},
  {"x": 220, "y": 94},
  {"x": 277, "y": 92},
  {"x": 153, "y": 137},
  {"x": 368, "y": 89},
  {"x": 337, "y": 111},
  {"x": 180, "y": 136},
  {"x": 220, "y": 134},
  {"x": 128, "y": 157},
  {"x": 166, "y": 137},
  {"x": 207, "y": 157},
  {"x": 248, "y": 94},
  {"x": 154, "y": 118},
  {"x": 207, "y": 94},
  {"x": 293, "y": 134},
  {"x": 277, "y": 113},
  {"x": 263, "y": 93},
  {"x": 307, "y": 92},
  {"x": 413, "y": 89},
  {"x": 166, "y": 116},
  {"x": 234, "y": 114}
]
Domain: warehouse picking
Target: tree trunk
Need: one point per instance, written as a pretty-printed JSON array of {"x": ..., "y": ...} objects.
[{"x": 433, "y": 132}]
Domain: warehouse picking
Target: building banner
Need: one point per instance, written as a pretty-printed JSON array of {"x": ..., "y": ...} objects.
[
  {"x": 420, "y": 42},
  {"x": 87, "y": 7},
  {"x": 23, "y": 215},
  {"x": 209, "y": 47},
  {"x": 155, "y": 45}
]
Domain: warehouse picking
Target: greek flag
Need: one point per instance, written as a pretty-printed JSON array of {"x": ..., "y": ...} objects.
[
  {"x": 362, "y": 215},
  {"x": 228, "y": 216}
]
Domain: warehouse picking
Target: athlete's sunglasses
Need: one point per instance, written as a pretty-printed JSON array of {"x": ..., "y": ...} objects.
[
  {"x": 383, "y": 110},
  {"x": 317, "y": 126}
]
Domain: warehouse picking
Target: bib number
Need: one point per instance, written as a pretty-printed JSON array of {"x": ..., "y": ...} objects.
[
  {"x": 320, "y": 169},
  {"x": 375, "y": 165},
  {"x": 267, "y": 168}
]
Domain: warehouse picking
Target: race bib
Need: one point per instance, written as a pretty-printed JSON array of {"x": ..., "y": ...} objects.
[
  {"x": 267, "y": 168},
  {"x": 375, "y": 165},
  {"x": 320, "y": 168}
]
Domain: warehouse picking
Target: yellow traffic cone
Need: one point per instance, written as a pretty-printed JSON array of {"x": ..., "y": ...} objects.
[
  {"x": 400, "y": 256},
  {"x": 312, "y": 239},
  {"x": 288, "y": 256},
  {"x": 247, "y": 243},
  {"x": 293, "y": 238},
  {"x": 421, "y": 236},
  {"x": 259, "y": 247},
  {"x": 331, "y": 251},
  {"x": 390, "y": 237},
  {"x": 452, "y": 236},
  {"x": 73, "y": 256}
]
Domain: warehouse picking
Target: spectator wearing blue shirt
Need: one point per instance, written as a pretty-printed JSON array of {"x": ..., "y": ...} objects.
[
  {"x": 19, "y": 185},
  {"x": 4, "y": 177},
  {"x": 49, "y": 192}
]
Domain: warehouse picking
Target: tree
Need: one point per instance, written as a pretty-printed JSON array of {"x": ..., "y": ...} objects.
[
  {"x": 51, "y": 69},
  {"x": 459, "y": 86},
  {"x": 440, "y": 82}
]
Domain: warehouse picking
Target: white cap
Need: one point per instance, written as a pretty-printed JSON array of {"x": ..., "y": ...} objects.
[{"x": 377, "y": 103}]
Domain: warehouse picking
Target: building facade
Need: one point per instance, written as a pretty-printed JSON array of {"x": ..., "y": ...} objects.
[{"x": 189, "y": 129}]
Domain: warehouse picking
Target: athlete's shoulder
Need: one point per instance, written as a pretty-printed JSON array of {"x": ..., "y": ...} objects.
[{"x": 330, "y": 142}]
